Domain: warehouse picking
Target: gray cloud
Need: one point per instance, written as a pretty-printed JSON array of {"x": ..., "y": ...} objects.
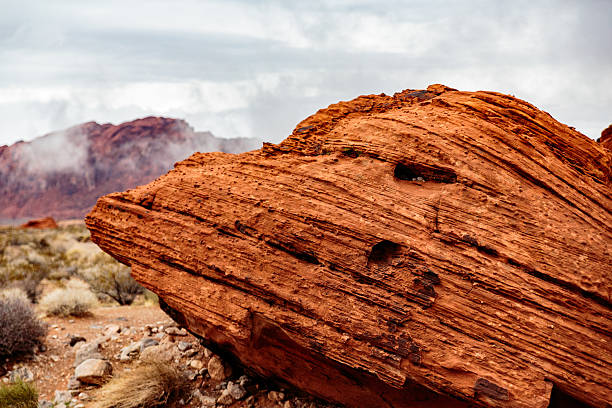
[{"x": 257, "y": 68}]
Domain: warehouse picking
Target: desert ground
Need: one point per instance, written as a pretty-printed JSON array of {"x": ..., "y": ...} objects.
[{"x": 90, "y": 309}]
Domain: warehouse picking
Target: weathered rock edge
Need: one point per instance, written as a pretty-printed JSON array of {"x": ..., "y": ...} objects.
[{"x": 453, "y": 241}]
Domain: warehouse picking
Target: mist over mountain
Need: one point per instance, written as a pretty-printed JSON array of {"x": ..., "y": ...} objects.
[{"x": 63, "y": 173}]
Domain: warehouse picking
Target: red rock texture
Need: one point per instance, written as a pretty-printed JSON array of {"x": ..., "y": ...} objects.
[
  {"x": 394, "y": 251},
  {"x": 606, "y": 138},
  {"x": 63, "y": 174},
  {"x": 40, "y": 223}
]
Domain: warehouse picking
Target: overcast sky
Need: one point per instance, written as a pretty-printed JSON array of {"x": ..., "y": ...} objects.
[{"x": 256, "y": 68}]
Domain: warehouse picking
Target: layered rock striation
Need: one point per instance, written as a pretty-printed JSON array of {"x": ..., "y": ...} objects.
[
  {"x": 433, "y": 248},
  {"x": 63, "y": 173}
]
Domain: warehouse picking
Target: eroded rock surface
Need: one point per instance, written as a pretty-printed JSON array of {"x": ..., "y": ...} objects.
[{"x": 431, "y": 248}]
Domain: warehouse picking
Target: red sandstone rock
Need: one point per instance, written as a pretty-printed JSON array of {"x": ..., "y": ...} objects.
[
  {"x": 394, "y": 251},
  {"x": 606, "y": 138},
  {"x": 41, "y": 223},
  {"x": 63, "y": 174}
]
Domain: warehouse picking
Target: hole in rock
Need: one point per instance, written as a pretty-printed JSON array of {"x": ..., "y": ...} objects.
[
  {"x": 404, "y": 172},
  {"x": 420, "y": 172},
  {"x": 559, "y": 399},
  {"x": 383, "y": 252}
]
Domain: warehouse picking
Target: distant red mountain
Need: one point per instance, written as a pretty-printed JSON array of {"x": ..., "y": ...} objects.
[{"x": 62, "y": 174}]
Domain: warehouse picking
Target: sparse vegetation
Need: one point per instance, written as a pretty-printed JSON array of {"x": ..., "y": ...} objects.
[
  {"x": 110, "y": 278},
  {"x": 18, "y": 395},
  {"x": 20, "y": 330},
  {"x": 70, "y": 301},
  {"x": 51, "y": 257},
  {"x": 149, "y": 385},
  {"x": 14, "y": 293}
]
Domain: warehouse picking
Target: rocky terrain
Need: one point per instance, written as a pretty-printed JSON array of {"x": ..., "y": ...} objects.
[
  {"x": 80, "y": 355},
  {"x": 62, "y": 174},
  {"x": 434, "y": 248}
]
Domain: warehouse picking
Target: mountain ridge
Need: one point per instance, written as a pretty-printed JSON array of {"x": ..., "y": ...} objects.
[{"x": 61, "y": 174}]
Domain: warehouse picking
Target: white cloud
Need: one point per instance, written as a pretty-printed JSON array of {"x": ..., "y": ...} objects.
[{"x": 242, "y": 68}]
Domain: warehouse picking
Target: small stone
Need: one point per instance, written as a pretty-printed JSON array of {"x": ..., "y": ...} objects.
[
  {"x": 237, "y": 391},
  {"x": 244, "y": 380},
  {"x": 130, "y": 351},
  {"x": 83, "y": 396},
  {"x": 205, "y": 400},
  {"x": 225, "y": 398},
  {"x": 73, "y": 383},
  {"x": 218, "y": 369},
  {"x": 54, "y": 358},
  {"x": 162, "y": 353},
  {"x": 22, "y": 373},
  {"x": 87, "y": 351},
  {"x": 190, "y": 353},
  {"x": 45, "y": 404},
  {"x": 62, "y": 397},
  {"x": 207, "y": 353},
  {"x": 112, "y": 329},
  {"x": 276, "y": 396},
  {"x": 93, "y": 371},
  {"x": 184, "y": 345},
  {"x": 175, "y": 331},
  {"x": 197, "y": 364},
  {"x": 147, "y": 342}
]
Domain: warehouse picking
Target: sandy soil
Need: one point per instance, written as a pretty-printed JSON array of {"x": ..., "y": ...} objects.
[{"x": 53, "y": 367}]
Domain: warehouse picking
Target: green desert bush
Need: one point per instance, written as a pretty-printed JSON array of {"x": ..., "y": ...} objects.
[
  {"x": 110, "y": 278},
  {"x": 69, "y": 301},
  {"x": 20, "y": 330},
  {"x": 149, "y": 385},
  {"x": 18, "y": 395}
]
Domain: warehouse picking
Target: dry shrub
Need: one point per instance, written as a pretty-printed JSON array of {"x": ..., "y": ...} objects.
[
  {"x": 149, "y": 385},
  {"x": 30, "y": 286},
  {"x": 20, "y": 331},
  {"x": 18, "y": 395},
  {"x": 110, "y": 278},
  {"x": 14, "y": 293},
  {"x": 71, "y": 301}
]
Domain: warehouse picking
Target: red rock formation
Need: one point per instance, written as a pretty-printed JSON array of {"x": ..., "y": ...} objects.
[
  {"x": 437, "y": 240},
  {"x": 63, "y": 174},
  {"x": 41, "y": 223},
  {"x": 606, "y": 138}
]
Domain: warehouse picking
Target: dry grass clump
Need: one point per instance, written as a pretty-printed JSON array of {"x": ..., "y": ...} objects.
[
  {"x": 149, "y": 385},
  {"x": 70, "y": 301},
  {"x": 18, "y": 395},
  {"x": 20, "y": 330}
]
